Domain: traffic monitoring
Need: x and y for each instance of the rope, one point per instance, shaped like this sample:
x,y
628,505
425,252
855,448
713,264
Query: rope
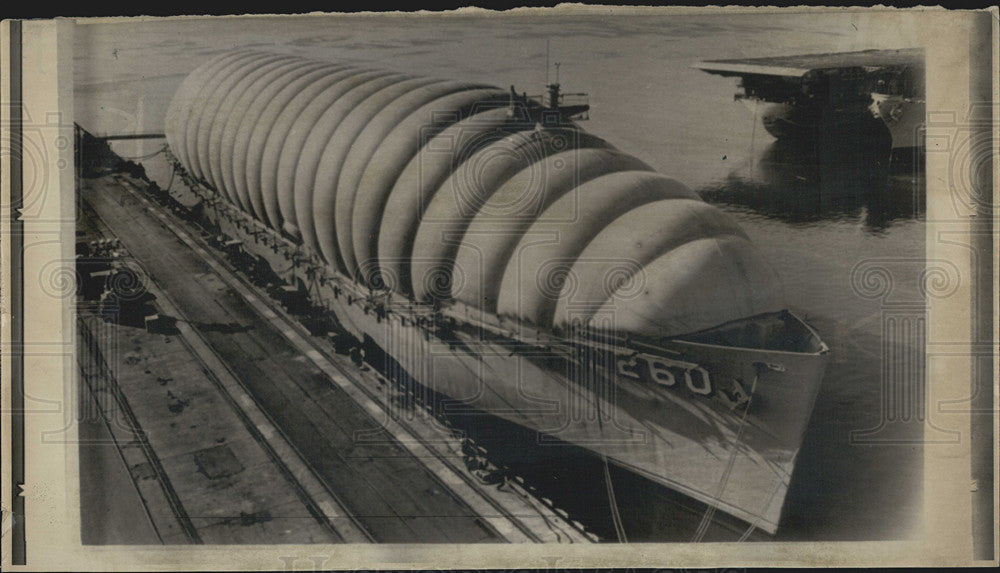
x,y
173,172
746,534
753,133
147,156
616,517
706,520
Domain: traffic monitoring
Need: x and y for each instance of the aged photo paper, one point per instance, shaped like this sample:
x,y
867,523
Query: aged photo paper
x,y
583,286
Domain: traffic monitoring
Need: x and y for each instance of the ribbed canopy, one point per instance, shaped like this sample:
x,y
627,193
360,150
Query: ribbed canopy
x,y
446,190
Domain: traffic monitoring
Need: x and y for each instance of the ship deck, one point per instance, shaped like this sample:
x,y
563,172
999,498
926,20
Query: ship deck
x,y
797,66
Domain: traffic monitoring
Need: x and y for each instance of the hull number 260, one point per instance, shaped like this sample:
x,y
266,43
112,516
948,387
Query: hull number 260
x,y
666,372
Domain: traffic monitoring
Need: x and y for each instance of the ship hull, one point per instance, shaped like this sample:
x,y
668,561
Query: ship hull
x,y
899,117
904,117
719,423
675,436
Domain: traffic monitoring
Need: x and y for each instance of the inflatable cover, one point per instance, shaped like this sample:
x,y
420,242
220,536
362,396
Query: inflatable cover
x,y
449,191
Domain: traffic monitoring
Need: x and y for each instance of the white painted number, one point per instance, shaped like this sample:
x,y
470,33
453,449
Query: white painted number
x,y
665,372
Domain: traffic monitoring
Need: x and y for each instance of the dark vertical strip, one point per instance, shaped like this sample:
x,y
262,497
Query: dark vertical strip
x,y
983,122
18,549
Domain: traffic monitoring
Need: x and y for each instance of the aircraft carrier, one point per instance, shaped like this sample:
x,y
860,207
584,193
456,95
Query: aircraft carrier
x,y
876,94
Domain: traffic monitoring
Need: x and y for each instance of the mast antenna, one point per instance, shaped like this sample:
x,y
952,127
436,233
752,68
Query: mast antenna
x,y
547,40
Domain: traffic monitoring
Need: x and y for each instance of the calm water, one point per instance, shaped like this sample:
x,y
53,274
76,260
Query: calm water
x,y
815,218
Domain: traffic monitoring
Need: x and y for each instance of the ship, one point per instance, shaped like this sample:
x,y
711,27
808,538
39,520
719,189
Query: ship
x,y
872,92
510,261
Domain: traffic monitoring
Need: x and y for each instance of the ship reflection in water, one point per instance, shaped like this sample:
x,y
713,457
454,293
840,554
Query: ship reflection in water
x,y
801,183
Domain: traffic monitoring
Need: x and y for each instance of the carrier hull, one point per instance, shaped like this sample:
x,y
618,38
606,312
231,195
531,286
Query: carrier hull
x,y
905,118
816,91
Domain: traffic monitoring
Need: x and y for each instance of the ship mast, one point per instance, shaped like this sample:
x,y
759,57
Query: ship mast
x,y
553,91
554,100
574,106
